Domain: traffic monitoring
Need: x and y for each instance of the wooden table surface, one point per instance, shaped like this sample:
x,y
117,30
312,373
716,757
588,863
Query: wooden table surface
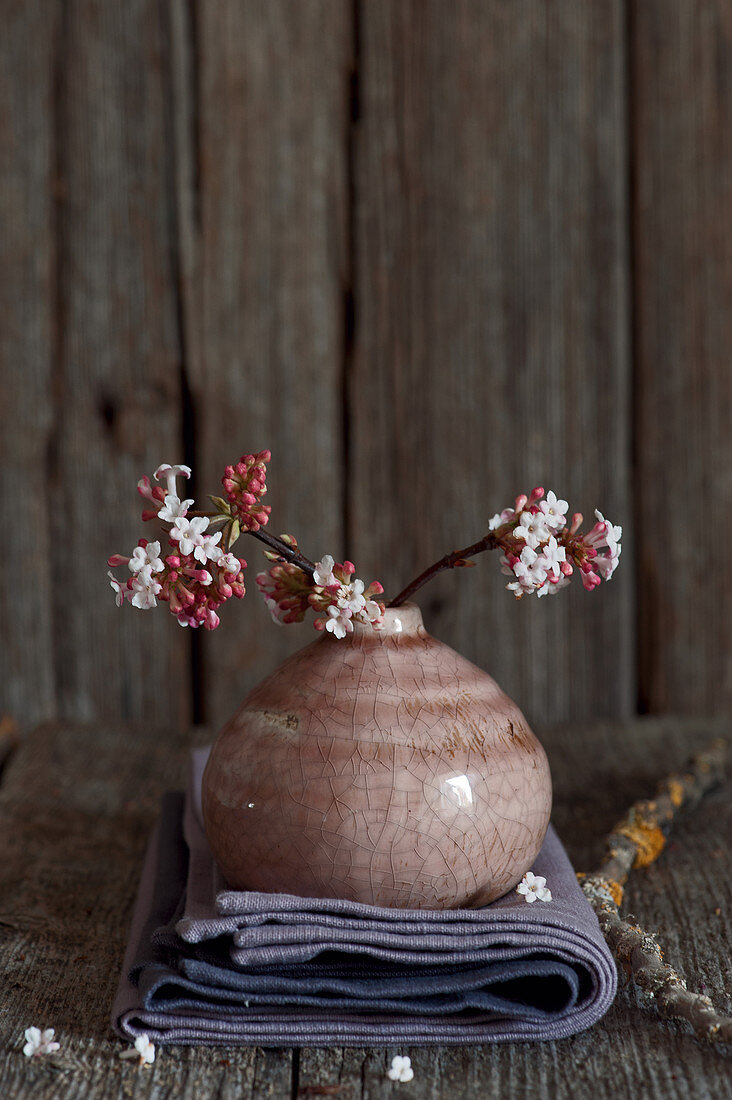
x,y
76,806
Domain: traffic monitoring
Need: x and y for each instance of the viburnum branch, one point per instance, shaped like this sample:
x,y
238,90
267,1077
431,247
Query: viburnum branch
x,y
194,571
457,558
637,841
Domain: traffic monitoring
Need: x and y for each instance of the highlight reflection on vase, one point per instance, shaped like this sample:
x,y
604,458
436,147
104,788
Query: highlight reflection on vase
x,y
383,768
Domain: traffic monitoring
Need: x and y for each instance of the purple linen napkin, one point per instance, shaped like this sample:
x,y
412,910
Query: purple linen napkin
x,y
206,964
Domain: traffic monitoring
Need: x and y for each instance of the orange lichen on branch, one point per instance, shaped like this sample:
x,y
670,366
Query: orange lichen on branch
x,y
603,890
676,792
648,838
637,841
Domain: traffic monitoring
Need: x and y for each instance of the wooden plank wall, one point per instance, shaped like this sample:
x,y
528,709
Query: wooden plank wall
x,y
430,255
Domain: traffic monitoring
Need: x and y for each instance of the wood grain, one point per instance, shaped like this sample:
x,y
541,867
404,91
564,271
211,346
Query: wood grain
x,y
268,282
491,341
73,826
117,411
27,687
682,98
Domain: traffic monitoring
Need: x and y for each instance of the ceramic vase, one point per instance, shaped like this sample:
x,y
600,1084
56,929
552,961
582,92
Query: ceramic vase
x,y
383,768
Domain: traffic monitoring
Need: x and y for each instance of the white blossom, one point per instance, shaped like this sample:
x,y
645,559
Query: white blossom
x,y
350,596
174,508
339,621
120,591
534,888
551,557
605,537
613,534
371,613
529,571
606,564
146,556
533,528
401,1068
143,1051
229,563
145,588
555,511
501,518
170,473
189,534
323,572
550,588
39,1042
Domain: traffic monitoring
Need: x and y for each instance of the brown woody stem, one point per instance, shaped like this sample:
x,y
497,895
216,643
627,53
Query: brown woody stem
x,y
283,550
636,841
450,561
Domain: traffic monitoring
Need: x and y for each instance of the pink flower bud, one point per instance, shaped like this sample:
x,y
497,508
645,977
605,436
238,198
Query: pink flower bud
x,y
117,559
577,519
536,494
520,503
566,568
148,513
173,561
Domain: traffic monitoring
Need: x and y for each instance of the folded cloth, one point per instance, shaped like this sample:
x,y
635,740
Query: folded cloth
x,y
206,964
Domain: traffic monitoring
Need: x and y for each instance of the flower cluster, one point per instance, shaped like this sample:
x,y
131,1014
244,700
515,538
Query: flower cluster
x,y
541,551
245,485
334,593
196,577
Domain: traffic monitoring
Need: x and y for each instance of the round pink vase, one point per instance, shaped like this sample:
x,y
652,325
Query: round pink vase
x,y
382,768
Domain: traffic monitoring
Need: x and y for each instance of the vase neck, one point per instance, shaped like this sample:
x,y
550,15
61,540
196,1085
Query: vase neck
x,y
398,621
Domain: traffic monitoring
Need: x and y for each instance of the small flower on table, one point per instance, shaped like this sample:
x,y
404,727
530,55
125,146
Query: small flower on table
x,y
143,1051
401,1068
39,1042
534,888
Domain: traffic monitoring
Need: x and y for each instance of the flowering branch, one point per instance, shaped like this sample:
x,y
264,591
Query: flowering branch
x,y
199,572
540,550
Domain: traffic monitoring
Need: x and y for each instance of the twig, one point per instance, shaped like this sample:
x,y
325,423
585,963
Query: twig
x,y
636,841
450,561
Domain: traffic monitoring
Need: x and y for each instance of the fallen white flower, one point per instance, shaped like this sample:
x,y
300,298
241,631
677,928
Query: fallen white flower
x,y
534,888
143,1050
401,1068
39,1042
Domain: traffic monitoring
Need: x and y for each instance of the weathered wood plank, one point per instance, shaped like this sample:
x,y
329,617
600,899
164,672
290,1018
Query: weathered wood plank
x,y
27,688
682,100
268,289
117,413
73,826
67,884
491,342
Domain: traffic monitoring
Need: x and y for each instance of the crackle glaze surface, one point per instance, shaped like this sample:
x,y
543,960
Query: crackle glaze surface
x,y
383,768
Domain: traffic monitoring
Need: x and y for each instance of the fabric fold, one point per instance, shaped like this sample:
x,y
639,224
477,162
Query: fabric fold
x,y
206,964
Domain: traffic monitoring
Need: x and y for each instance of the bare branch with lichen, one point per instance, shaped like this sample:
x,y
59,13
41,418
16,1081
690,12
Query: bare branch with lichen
x,y
637,841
